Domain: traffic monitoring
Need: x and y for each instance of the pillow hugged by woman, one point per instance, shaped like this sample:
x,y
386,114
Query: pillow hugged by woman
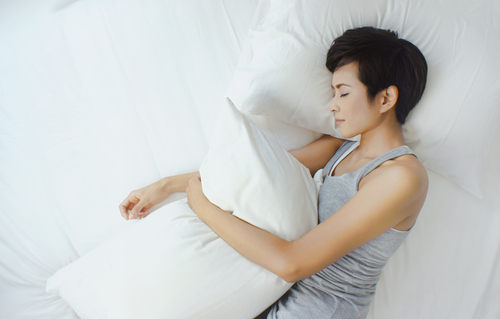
x,y
372,192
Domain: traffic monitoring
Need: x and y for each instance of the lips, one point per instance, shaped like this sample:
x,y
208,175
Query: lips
x,y
338,122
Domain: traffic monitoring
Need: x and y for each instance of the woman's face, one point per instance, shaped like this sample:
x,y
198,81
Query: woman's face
x,y
354,112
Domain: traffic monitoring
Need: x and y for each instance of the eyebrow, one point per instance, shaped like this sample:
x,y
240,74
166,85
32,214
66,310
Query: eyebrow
x,y
339,85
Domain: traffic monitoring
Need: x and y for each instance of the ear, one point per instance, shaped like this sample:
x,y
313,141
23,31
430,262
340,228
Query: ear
x,y
389,98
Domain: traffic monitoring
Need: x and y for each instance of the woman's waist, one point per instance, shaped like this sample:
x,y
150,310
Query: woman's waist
x,y
347,277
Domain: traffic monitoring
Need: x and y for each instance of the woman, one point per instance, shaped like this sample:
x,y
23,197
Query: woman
x,y
372,193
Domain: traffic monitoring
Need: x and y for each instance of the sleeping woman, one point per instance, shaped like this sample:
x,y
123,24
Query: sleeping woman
x,y
372,193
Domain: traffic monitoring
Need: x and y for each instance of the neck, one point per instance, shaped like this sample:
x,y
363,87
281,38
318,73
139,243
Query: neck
x,y
383,138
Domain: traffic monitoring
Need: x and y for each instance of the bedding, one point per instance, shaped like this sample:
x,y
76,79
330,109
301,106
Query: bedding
x,y
98,98
172,265
282,73
101,97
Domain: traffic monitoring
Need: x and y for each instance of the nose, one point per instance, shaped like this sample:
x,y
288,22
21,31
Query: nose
x,y
333,106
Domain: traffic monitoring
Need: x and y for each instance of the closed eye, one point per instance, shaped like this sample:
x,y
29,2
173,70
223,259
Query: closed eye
x,y
342,95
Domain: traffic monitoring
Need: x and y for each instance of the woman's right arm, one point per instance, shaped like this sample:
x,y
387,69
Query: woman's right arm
x,y
315,155
139,201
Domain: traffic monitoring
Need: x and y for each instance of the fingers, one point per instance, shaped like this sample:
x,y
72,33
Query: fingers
x,y
144,211
123,211
134,213
129,205
194,181
123,208
136,205
143,214
194,186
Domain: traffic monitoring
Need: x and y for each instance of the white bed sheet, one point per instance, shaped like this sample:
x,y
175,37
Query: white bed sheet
x,y
449,266
98,98
101,97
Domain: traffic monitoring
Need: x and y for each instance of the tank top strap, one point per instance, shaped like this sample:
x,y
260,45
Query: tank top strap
x,y
395,152
342,149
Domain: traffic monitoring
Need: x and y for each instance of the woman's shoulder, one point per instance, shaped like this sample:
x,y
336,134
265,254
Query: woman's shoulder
x,y
404,171
400,183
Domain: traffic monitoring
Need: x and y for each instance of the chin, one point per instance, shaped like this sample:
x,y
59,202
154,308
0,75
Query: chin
x,y
351,136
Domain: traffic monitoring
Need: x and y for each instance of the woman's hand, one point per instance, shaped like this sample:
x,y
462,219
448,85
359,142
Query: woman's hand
x,y
138,202
196,198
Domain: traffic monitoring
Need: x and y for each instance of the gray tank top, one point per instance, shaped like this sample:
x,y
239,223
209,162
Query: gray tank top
x,y
345,288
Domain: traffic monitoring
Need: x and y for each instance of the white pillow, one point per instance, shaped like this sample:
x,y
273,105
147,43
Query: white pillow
x,y
249,174
289,136
282,73
172,265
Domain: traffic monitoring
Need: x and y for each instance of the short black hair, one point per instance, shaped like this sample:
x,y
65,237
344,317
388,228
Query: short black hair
x,y
384,60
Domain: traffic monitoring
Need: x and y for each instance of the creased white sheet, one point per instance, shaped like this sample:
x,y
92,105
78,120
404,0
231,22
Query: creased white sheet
x,y
98,98
101,97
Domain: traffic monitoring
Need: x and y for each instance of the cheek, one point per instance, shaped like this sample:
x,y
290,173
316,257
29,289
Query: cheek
x,y
359,114
354,109
362,108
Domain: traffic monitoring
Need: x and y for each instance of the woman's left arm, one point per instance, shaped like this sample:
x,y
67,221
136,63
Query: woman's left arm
x,y
256,244
387,197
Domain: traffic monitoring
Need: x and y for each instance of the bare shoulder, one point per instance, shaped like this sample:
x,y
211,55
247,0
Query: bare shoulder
x,y
404,171
402,182
409,171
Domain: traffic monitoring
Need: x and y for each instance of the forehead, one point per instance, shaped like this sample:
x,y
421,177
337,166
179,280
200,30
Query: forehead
x,y
347,74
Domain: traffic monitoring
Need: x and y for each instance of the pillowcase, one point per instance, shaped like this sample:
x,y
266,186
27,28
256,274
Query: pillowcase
x,y
172,265
255,182
282,73
289,136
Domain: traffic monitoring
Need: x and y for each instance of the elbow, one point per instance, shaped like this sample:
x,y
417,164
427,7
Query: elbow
x,y
289,264
289,279
290,272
